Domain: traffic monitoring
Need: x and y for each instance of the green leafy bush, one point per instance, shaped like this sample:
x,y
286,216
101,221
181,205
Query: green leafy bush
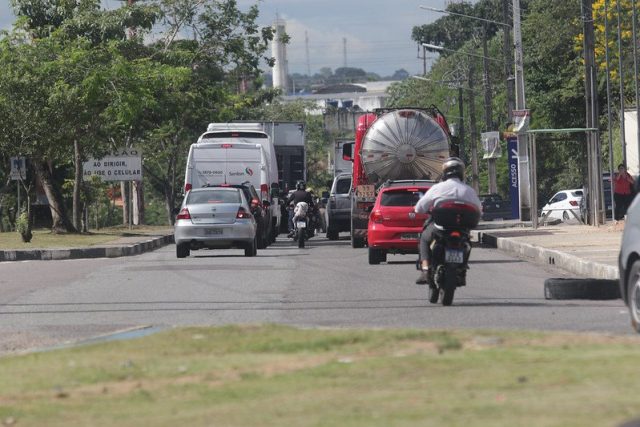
x,y
23,227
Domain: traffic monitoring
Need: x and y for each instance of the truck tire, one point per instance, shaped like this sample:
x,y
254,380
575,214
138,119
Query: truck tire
x,y
261,240
593,289
332,234
356,242
251,249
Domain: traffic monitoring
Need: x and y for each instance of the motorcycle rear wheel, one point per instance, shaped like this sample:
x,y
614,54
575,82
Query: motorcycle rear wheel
x,y
301,238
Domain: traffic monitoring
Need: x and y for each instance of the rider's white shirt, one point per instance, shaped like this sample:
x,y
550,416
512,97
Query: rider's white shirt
x,y
452,188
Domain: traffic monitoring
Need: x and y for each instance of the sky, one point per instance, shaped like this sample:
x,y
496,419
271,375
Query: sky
x,y
377,32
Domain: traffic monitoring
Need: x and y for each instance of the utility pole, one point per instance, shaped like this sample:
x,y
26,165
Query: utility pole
x,y
508,60
524,181
306,47
461,120
344,51
590,94
474,130
488,113
621,72
635,79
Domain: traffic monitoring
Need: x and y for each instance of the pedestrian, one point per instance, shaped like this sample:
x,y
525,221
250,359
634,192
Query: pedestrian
x,y
622,191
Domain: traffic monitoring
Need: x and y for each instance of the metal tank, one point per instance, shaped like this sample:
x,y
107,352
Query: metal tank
x,y
404,144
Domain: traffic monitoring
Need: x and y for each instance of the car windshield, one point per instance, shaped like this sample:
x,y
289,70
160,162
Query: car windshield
x,y
400,198
213,196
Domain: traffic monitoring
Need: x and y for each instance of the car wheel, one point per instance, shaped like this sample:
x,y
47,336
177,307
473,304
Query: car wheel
x,y
332,234
565,216
374,256
182,250
251,249
633,295
593,289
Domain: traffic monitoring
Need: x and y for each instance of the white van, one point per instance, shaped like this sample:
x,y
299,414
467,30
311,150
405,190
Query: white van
x,y
251,133
211,163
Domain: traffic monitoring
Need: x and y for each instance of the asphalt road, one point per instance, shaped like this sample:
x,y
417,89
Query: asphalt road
x,y
327,284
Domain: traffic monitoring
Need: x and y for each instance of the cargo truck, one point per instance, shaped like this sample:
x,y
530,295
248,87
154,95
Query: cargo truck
x,y
393,144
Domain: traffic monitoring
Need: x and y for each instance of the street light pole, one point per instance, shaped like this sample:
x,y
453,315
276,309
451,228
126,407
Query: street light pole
x,y
524,181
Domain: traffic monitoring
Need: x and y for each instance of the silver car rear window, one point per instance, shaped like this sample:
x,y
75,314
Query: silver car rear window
x,y
213,196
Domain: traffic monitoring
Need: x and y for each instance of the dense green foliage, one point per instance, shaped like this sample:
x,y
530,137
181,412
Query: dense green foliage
x,y
552,34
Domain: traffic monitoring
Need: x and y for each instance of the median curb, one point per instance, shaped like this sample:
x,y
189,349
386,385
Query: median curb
x,y
563,260
114,251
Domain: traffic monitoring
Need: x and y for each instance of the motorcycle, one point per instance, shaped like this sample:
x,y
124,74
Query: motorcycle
x,y
450,248
301,224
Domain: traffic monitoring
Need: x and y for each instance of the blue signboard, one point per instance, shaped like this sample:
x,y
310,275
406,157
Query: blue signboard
x,y
514,190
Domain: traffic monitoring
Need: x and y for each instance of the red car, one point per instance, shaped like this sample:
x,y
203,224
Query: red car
x,y
393,225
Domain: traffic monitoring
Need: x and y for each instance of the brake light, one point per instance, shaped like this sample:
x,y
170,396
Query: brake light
x,y
187,187
454,234
376,216
255,203
573,203
242,213
456,204
184,214
227,145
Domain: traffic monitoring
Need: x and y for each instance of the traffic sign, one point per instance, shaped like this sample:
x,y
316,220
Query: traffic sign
x,y
18,168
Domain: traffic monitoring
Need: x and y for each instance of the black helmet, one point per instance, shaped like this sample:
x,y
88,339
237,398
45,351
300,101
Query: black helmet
x,y
453,168
300,185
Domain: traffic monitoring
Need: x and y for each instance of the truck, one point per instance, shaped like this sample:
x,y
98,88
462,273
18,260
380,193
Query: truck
x,y
288,139
253,133
393,144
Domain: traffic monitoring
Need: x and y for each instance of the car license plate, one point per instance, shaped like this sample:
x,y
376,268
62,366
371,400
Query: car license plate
x,y
453,256
301,224
213,231
409,236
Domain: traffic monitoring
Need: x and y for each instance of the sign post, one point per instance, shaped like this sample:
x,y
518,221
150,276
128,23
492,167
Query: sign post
x,y
18,173
514,190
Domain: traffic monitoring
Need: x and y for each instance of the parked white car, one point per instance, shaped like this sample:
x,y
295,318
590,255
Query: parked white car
x,y
629,262
563,205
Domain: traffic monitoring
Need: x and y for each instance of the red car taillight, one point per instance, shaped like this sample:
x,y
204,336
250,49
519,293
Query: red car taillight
x,y
242,213
573,203
187,187
376,216
184,214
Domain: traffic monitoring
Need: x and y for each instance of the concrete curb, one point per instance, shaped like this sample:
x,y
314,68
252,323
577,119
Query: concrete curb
x,y
565,261
90,252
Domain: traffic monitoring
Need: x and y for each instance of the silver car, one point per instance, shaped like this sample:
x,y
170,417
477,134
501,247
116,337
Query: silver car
x,y
215,218
629,262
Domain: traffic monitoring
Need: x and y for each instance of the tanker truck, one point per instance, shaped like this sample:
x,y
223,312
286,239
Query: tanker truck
x,y
393,144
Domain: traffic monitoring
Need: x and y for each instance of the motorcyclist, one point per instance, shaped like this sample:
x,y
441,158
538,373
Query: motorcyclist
x,y
451,187
300,195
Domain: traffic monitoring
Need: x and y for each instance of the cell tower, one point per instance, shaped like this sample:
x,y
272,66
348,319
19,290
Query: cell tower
x,y
279,52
